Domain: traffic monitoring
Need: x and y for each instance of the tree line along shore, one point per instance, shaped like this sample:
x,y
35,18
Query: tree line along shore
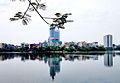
x,y
53,49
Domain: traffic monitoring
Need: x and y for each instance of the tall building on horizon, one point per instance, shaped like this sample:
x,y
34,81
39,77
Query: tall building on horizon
x,y
54,38
108,41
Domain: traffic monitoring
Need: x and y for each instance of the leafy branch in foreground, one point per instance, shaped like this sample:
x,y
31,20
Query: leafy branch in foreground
x,y
25,17
33,6
60,20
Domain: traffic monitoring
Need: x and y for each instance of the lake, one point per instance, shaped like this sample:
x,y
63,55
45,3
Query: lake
x,y
60,68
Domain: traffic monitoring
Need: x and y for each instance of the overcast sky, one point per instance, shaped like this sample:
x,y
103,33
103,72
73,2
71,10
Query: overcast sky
x,y
92,20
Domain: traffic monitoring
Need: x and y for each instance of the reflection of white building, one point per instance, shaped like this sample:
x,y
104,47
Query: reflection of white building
x,y
108,59
54,64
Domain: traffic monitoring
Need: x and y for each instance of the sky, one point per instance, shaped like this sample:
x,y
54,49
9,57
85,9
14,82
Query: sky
x,y
93,19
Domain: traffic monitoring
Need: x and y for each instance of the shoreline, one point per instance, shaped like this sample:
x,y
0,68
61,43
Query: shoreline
x,y
61,52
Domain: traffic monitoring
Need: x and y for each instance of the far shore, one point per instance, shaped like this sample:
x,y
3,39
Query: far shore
x,y
60,52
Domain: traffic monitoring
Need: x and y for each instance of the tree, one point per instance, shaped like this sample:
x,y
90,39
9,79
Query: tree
x,y
101,48
41,49
48,48
35,49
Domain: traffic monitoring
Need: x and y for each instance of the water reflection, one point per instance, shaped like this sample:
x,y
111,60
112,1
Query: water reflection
x,y
54,64
50,58
54,60
73,57
108,59
5,57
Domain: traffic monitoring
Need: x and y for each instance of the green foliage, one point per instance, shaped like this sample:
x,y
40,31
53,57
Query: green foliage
x,y
52,48
41,49
70,49
101,48
118,48
48,48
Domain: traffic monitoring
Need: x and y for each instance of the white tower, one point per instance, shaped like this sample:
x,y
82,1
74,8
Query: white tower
x,y
108,41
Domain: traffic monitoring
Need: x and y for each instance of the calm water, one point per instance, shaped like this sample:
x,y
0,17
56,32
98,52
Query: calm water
x,y
69,68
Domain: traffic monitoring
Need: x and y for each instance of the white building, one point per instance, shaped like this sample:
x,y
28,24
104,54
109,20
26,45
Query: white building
x,y
2,45
82,44
108,41
94,44
24,45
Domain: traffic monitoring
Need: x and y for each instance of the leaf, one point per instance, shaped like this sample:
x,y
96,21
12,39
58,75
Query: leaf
x,y
26,19
42,6
58,14
29,19
63,20
33,3
69,21
61,26
19,15
13,0
64,16
19,12
21,0
31,9
28,15
37,7
24,22
13,19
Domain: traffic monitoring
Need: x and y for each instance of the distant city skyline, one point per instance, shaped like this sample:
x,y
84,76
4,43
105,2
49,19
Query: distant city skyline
x,y
92,20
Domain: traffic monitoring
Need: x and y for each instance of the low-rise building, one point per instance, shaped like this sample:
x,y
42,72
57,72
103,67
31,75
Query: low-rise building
x,y
32,45
72,43
82,44
67,45
45,44
2,45
94,44
24,45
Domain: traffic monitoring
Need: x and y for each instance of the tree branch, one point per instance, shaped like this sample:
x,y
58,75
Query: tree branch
x,y
26,11
38,12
